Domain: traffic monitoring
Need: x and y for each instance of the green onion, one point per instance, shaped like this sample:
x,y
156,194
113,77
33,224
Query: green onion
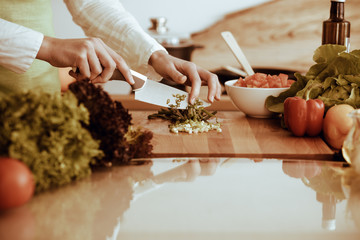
x,y
194,119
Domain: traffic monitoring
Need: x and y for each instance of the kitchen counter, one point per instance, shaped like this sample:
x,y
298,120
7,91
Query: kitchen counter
x,y
196,198
241,136
254,180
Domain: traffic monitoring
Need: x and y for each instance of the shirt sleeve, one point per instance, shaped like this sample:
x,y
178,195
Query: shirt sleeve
x,y
19,46
108,20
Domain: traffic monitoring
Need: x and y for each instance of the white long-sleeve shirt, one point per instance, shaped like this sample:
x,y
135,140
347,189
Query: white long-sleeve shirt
x,y
106,19
18,46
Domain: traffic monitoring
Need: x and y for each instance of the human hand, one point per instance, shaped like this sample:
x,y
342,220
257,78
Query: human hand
x,y
184,72
91,56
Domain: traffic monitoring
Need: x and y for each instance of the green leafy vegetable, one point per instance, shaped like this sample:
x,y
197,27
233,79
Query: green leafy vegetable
x,y
45,132
335,79
61,137
110,123
195,118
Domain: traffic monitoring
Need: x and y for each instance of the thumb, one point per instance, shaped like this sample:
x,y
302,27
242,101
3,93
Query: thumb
x,y
178,77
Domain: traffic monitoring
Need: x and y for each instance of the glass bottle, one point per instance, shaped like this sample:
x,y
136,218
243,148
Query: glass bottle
x,y
336,30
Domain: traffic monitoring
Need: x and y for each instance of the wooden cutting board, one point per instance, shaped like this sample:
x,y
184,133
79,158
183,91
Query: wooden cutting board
x,y
241,136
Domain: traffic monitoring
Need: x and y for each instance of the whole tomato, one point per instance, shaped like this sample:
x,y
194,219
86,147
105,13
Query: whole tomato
x,y
16,183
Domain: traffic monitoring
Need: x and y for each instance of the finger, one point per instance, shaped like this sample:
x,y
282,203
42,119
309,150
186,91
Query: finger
x,y
195,82
106,62
77,75
84,69
179,77
176,75
121,65
94,64
125,70
218,91
214,87
98,79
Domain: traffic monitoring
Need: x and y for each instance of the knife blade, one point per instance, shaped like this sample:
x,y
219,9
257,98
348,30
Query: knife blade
x,y
153,92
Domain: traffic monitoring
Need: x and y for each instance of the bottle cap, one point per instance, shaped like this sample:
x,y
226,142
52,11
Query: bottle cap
x,y
338,0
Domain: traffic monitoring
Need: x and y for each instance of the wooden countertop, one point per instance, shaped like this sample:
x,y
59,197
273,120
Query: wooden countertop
x,y
241,136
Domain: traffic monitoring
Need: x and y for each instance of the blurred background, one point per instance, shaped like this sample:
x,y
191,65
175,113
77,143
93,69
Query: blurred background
x,y
280,35
187,16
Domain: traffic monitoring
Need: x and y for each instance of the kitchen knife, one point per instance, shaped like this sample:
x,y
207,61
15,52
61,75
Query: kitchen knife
x,y
153,92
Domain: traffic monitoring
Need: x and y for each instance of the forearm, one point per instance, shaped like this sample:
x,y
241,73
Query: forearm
x,y
18,46
109,21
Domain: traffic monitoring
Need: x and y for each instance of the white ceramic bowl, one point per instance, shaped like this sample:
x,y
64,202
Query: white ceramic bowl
x,y
251,101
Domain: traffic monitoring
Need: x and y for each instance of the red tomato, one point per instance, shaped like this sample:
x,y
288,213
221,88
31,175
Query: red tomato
x,y
290,82
16,183
283,78
262,80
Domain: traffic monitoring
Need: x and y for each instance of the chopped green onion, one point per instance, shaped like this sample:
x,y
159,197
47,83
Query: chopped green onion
x,y
193,119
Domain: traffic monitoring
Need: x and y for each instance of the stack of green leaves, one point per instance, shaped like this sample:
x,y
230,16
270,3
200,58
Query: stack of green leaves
x,y
45,132
335,79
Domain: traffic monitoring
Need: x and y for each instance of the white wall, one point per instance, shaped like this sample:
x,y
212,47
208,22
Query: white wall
x,y
183,15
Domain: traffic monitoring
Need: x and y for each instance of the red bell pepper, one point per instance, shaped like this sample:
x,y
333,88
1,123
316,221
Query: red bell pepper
x,y
304,116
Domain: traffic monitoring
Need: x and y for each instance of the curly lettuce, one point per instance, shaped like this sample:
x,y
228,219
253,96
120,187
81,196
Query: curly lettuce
x,y
335,79
46,132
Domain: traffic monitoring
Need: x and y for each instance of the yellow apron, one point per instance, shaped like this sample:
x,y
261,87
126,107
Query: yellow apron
x,y
37,15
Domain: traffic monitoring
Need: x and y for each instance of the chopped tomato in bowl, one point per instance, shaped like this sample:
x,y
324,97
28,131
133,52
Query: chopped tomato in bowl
x,y
249,94
262,80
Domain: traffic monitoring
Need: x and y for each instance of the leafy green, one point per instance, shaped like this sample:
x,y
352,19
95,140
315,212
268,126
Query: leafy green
x,y
45,132
110,123
62,137
334,78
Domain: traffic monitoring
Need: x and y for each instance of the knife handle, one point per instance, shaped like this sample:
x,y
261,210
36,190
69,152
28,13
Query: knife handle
x,y
139,79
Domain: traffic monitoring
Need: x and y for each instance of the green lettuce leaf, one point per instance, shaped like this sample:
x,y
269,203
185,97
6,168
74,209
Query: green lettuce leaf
x,y
334,78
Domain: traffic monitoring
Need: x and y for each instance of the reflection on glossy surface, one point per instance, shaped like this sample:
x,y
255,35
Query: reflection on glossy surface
x,y
197,199
351,187
324,180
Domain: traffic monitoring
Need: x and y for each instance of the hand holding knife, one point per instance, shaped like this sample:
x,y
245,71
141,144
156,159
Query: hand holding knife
x,y
153,92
